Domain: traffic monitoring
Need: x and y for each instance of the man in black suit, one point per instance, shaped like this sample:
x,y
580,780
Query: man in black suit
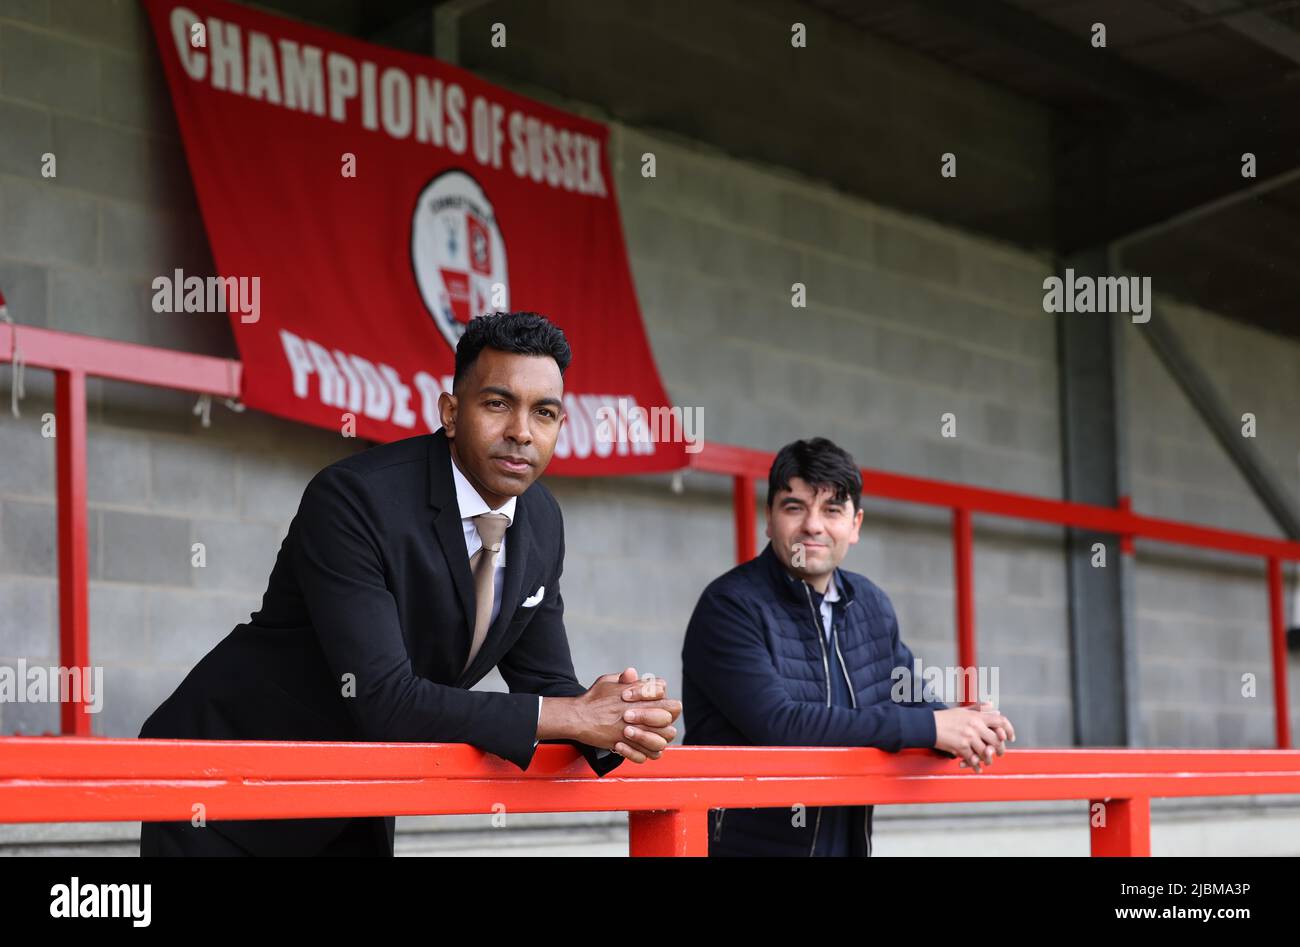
x,y
389,599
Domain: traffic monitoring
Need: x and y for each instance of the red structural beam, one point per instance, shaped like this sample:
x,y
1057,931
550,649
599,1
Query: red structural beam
x,y
122,361
61,779
742,461
1278,642
73,541
963,544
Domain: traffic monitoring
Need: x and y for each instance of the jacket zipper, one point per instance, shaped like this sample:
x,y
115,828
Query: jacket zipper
x,y
839,654
866,826
826,669
866,822
835,640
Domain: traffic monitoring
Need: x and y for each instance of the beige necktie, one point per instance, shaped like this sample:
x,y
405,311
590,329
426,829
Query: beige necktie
x,y
483,564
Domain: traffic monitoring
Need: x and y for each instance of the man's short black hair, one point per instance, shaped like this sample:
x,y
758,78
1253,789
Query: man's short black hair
x,y
820,463
523,333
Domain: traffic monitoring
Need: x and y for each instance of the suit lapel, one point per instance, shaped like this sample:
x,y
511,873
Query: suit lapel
x,y
451,535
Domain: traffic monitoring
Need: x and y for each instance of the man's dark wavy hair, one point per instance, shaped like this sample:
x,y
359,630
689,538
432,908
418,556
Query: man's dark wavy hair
x,y
523,333
819,463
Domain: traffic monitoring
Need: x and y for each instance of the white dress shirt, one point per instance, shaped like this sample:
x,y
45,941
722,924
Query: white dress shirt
x,y
471,505
832,595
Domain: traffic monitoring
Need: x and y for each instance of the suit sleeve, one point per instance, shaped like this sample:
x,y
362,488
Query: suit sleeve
x,y
338,561
540,662
726,655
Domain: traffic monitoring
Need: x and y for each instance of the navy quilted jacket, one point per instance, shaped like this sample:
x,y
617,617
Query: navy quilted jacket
x,y
756,672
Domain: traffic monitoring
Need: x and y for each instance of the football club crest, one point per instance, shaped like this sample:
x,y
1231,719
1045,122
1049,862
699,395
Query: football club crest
x,y
458,254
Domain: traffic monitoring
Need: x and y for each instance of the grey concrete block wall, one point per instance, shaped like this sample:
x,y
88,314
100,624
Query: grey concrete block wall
x,y
905,321
1203,618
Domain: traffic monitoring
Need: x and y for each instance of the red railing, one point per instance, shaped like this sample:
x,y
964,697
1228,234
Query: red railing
x,y
74,778
72,358
66,779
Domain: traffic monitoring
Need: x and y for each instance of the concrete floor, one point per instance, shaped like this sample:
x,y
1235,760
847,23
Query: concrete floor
x,y
1252,826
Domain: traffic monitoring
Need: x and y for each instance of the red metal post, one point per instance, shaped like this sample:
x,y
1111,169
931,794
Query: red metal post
x,y
1275,607
675,832
74,570
1121,827
746,524
964,576
1126,539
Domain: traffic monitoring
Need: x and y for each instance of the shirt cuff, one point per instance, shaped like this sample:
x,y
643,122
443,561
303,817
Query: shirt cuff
x,y
599,755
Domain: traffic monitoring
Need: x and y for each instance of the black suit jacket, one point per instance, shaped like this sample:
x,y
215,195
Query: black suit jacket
x,y
373,581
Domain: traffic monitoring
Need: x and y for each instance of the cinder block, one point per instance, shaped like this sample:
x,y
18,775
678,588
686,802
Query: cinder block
x,y
27,137
117,466
720,253
239,555
1052,725
43,225
118,23
204,333
29,719
766,264
28,544
131,694
806,219
595,529
118,162
48,70
1008,282
194,476
907,250
28,468
27,292
140,547
32,11
30,618
185,626
923,359
660,236
270,487
148,242
127,405
1013,381
134,93
119,627
93,302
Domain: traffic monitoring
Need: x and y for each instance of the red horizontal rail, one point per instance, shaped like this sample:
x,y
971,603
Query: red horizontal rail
x,y
63,779
122,361
743,461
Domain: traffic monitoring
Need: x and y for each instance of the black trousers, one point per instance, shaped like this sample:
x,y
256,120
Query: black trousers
x,y
181,839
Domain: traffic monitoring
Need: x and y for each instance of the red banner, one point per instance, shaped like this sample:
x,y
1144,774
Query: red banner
x,y
363,204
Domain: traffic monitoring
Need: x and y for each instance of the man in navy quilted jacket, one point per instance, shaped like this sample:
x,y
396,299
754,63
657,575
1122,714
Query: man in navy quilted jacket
x,y
790,650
